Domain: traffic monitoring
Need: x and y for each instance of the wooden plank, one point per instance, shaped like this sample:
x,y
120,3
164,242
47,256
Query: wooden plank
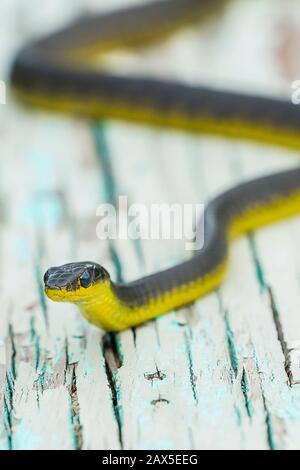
x,y
220,374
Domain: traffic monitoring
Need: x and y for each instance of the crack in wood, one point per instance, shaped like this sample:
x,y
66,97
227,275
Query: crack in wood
x,y
13,352
70,380
133,329
268,420
103,154
8,425
231,345
157,375
42,300
280,336
160,400
274,310
40,381
193,377
258,266
112,350
113,357
293,362
245,391
36,342
74,407
272,444
156,331
113,361
10,379
233,357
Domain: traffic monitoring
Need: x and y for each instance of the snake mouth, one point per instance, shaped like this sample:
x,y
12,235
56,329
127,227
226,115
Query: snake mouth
x,y
56,294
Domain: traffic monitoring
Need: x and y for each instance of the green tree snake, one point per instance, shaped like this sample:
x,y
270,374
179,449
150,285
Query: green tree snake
x,y
54,72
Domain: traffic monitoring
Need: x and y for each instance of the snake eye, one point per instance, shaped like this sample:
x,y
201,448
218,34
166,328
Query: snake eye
x,y
86,279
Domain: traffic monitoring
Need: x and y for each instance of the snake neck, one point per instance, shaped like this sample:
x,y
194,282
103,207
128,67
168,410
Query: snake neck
x,y
103,308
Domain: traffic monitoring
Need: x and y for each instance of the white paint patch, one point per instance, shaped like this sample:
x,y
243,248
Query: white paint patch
x,y
2,92
2,353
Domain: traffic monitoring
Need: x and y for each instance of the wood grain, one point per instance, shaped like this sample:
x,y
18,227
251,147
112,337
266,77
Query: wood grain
x,y
222,373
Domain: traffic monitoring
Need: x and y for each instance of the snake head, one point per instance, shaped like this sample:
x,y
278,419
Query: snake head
x,y
74,282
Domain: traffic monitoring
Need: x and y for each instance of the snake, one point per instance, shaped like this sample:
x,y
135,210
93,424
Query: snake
x,y
56,72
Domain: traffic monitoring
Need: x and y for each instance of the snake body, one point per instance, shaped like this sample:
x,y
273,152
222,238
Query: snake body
x,y
54,72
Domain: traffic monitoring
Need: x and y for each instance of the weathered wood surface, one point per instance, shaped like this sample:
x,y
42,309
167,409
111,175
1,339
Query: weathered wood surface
x,y
220,374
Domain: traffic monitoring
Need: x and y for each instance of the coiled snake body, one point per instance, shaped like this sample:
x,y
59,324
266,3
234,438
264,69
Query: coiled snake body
x,y
49,73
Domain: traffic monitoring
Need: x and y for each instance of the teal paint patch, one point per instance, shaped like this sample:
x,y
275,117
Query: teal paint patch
x,y
23,249
162,444
229,339
176,325
45,206
41,377
42,298
24,438
102,152
12,365
8,426
238,416
118,397
288,407
270,432
36,341
43,170
89,370
44,209
116,261
71,425
231,345
211,402
258,267
9,392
